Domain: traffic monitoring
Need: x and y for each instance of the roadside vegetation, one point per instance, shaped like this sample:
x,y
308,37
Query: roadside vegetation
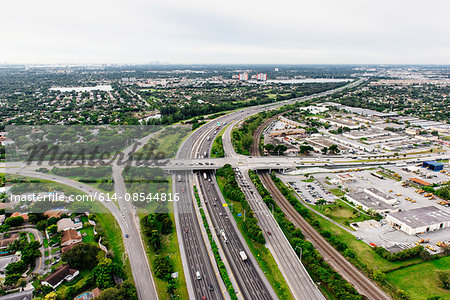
x,y
162,242
260,251
220,265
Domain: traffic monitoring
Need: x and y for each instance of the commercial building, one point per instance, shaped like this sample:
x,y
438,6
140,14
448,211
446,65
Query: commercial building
x,y
243,76
261,77
368,202
433,165
419,220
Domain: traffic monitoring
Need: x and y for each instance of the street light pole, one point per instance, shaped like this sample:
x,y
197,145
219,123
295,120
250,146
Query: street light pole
x,y
301,251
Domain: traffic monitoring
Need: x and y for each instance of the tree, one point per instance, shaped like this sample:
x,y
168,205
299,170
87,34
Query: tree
x,y
166,226
333,149
18,267
52,229
14,221
12,279
41,225
163,267
110,294
247,141
305,149
324,150
82,256
444,278
104,273
51,296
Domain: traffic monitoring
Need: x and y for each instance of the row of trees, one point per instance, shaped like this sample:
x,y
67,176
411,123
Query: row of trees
x,y
155,226
232,191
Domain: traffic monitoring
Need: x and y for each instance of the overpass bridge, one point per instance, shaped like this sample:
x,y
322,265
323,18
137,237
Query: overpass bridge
x,y
241,161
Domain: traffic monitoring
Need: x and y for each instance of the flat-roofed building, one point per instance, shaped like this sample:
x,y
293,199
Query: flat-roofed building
x,y
368,202
419,220
381,195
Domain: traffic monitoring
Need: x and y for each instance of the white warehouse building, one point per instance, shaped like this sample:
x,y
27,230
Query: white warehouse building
x,y
419,220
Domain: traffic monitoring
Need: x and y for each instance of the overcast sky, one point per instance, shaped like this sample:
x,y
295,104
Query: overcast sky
x,y
228,31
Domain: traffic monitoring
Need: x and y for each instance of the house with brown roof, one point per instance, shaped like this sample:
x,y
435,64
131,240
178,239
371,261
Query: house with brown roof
x,y
19,214
70,236
4,243
62,273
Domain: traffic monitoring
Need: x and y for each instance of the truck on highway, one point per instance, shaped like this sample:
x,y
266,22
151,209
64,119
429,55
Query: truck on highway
x,y
197,275
243,255
222,232
179,178
204,154
204,176
208,138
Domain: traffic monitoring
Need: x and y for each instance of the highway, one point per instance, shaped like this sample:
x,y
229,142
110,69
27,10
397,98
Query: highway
x,y
192,244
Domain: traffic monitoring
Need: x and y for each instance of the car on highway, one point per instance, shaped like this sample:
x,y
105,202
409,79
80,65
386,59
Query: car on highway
x,y
127,236
269,233
211,287
197,275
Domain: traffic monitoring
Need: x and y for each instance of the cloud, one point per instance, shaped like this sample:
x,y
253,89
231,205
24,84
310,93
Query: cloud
x,y
200,31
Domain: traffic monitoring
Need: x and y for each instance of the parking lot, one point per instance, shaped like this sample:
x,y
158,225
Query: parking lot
x,y
310,192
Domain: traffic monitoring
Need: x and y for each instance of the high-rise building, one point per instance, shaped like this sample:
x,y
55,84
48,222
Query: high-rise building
x,y
261,77
243,76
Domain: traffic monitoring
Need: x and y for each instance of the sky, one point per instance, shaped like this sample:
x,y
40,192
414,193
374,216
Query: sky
x,y
226,32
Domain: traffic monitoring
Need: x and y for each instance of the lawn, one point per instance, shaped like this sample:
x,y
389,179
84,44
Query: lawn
x,y
31,237
420,281
261,253
337,192
341,213
88,234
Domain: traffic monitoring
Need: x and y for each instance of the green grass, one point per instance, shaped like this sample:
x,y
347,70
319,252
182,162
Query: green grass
x,y
341,213
31,237
45,243
337,192
364,252
46,253
420,281
89,237
261,253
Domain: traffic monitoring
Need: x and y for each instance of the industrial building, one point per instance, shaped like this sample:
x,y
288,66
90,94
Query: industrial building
x,y
368,202
433,165
419,220
381,196
417,181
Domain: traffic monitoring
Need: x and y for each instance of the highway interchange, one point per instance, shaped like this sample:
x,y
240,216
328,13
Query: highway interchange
x,y
249,281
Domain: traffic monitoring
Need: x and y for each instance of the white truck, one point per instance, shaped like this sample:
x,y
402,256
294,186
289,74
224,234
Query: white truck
x,y
243,255
204,176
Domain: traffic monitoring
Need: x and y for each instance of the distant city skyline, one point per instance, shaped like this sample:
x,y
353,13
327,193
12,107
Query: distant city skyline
x,y
231,32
